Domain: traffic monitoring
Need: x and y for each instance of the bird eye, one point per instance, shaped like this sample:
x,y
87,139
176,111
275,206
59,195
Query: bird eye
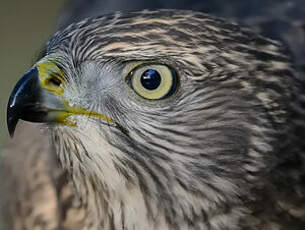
x,y
153,82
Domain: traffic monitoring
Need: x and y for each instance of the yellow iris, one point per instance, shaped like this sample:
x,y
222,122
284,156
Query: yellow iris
x,y
163,78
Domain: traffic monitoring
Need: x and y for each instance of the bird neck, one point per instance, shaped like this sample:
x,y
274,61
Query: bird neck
x,y
118,199
130,208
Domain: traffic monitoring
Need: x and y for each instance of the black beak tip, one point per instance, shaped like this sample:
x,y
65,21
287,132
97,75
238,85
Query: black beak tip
x,y
11,125
12,117
23,93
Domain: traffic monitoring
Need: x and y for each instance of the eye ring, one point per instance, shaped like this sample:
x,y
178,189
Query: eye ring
x,y
153,81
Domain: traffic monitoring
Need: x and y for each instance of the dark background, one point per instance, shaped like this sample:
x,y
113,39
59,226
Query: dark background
x,y
24,27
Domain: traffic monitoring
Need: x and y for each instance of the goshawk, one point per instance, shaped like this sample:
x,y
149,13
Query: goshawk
x,y
171,119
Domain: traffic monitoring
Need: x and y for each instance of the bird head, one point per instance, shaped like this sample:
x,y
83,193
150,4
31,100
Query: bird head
x,y
162,106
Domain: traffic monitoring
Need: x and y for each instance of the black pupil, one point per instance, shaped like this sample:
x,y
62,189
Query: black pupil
x,y
150,79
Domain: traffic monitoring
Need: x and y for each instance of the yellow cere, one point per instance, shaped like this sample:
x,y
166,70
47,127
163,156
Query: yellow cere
x,y
48,73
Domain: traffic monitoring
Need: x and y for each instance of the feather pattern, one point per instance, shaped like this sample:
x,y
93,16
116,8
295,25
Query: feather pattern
x,y
225,151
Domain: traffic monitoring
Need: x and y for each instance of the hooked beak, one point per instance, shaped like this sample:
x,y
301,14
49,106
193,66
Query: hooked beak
x,y
27,101
37,97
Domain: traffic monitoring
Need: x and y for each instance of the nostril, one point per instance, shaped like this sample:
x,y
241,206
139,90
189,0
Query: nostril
x,y
55,81
54,84
51,77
